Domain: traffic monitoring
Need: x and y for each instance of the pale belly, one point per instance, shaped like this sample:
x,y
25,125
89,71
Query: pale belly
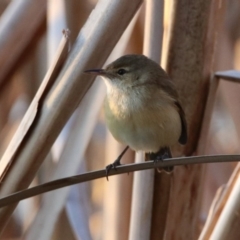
x,y
146,130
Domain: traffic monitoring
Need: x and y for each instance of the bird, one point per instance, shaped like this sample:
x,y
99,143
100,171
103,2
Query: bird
x,y
142,108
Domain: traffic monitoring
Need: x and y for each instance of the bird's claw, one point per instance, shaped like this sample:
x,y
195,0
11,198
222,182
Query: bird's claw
x,y
167,170
112,166
160,157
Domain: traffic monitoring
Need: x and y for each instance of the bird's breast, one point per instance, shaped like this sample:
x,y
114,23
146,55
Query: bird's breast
x,y
142,124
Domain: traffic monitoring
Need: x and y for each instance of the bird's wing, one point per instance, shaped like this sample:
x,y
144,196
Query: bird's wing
x,y
169,87
183,137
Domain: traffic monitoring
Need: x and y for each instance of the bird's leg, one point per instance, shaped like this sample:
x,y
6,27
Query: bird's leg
x,y
161,155
116,162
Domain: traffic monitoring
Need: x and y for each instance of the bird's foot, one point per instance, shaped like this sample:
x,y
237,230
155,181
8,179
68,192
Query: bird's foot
x,y
161,155
112,166
116,162
168,169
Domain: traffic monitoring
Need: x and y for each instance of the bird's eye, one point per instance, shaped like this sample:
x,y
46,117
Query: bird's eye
x,y
121,71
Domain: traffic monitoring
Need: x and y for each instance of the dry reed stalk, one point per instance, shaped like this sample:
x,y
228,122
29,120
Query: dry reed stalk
x,y
116,205
190,55
90,50
17,16
142,199
60,183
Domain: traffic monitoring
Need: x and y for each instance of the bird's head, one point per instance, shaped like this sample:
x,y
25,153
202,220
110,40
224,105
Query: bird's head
x,y
127,72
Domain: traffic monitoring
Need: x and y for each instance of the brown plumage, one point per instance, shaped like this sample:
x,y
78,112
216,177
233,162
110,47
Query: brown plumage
x,y
142,108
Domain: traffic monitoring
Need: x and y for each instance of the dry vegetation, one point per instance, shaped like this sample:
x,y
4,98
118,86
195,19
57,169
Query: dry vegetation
x,y
52,126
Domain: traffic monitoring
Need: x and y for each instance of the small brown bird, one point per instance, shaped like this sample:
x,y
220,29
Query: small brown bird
x,y
142,108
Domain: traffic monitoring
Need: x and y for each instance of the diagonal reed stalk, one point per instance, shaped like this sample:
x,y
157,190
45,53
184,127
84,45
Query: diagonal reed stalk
x,y
90,50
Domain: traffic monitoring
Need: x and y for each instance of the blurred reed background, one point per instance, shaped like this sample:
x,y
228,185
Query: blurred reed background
x,y
192,41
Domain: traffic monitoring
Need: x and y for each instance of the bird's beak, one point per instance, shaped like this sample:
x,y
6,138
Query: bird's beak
x,y
98,72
